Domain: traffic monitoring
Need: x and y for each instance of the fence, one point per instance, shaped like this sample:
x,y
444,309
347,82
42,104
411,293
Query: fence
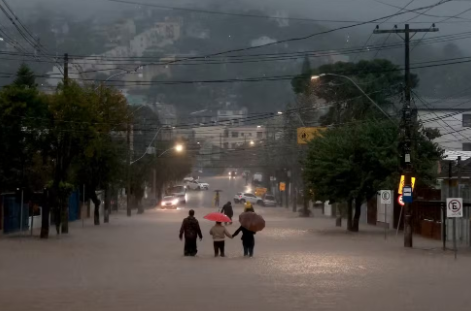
x,y
12,214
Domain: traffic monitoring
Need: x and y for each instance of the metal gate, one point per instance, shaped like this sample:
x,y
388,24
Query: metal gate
x,y
12,214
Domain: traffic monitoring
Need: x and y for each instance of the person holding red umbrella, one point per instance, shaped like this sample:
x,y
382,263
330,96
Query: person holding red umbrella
x,y
219,232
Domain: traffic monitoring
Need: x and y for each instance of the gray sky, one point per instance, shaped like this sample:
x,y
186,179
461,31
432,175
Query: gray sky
x,y
316,9
339,9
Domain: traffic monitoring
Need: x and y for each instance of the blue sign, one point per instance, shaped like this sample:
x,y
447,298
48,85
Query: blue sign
x,y
407,194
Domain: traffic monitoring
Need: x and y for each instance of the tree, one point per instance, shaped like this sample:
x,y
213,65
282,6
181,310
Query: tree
x,y
25,77
379,78
103,157
351,163
78,115
23,110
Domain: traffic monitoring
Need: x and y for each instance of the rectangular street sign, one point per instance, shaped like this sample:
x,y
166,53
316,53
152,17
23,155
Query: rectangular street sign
x,y
407,194
282,186
386,197
306,134
401,184
454,207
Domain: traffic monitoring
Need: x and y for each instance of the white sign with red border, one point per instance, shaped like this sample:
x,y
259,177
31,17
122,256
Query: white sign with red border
x,y
454,207
400,201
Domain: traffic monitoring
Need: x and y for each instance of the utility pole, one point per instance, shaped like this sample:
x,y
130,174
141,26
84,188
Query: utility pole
x,y
66,69
128,177
407,121
455,247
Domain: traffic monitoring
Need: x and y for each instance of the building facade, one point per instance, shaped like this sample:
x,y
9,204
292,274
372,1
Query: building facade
x,y
452,117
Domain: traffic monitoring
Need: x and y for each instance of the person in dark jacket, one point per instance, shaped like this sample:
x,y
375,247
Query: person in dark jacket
x,y
227,210
191,230
248,240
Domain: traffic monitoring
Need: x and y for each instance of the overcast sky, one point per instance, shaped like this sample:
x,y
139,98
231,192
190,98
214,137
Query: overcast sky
x,y
361,10
339,9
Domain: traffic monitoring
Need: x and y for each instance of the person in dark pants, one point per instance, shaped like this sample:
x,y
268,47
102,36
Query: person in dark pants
x,y
219,232
228,211
248,240
191,230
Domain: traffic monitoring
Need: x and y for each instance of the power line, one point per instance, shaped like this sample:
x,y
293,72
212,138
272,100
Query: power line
x,y
202,11
302,38
112,61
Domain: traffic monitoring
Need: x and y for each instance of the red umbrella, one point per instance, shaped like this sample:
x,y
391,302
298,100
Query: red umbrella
x,y
219,217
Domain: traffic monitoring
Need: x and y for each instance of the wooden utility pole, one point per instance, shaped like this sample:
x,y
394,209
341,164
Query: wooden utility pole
x,y
128,177
407,122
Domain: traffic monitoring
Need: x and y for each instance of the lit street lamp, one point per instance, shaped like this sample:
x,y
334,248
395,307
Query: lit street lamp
x,y
179,148
252,143
151,150
315,78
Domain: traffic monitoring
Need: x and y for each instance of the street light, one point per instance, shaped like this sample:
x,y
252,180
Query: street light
x,y
179,148
280,112
317,77
252,143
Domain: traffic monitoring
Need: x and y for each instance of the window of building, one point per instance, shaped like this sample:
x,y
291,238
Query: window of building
x,y
466,120
259,134
226,145
466,146
235,134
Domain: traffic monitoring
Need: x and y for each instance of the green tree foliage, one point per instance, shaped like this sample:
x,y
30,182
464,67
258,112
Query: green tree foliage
x,y
22,112
82,123
351,163
25,77
380,79
104,152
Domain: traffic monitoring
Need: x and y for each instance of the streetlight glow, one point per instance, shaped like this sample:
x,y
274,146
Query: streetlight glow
x,y
259,126
179,148
280,112
313,78
252,143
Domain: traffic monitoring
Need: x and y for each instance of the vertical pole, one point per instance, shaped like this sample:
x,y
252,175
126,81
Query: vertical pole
x,y
66,69
154,183
128,177
455,247
399,220
407,118
385,222
83,207
444,235
45,213
21,212
32,219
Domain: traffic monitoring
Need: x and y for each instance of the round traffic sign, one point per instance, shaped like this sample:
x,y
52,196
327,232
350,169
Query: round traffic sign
x,y
400,201
454,206
386,195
